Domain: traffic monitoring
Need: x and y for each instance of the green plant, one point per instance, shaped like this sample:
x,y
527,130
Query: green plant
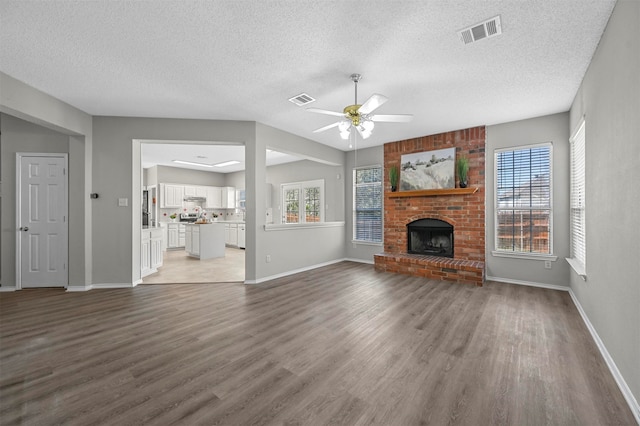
x,y
462,166
393,176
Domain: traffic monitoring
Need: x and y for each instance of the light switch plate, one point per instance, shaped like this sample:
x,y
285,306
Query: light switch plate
x,y
123,202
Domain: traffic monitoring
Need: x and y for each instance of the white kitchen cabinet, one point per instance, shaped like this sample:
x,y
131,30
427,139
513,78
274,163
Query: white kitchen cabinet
x,y
171,195
181,234
231,234
214,197
195,191
241,235
150,251
228,197
156,248
206,241
145,254
176,235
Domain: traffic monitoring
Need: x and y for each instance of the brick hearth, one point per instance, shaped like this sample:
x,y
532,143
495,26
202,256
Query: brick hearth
x,y
465,211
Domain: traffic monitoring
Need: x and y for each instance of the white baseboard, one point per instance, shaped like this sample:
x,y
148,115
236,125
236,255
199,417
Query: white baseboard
x,y
528,283
613,368
6,289
622,384
113,285
294,271
76,288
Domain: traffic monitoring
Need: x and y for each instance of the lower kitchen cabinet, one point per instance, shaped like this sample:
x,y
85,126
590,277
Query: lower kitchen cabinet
x,y
150,251
176,235
241,235
205,241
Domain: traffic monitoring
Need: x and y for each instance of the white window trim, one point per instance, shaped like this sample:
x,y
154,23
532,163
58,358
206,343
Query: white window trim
x,y
515,254
301,186
353,209
578,266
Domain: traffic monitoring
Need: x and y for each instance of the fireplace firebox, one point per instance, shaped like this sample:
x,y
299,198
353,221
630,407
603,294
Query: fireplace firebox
x,y
431,237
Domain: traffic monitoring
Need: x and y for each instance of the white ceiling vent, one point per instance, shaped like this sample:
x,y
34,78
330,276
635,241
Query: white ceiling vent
x,y
301,99
489,28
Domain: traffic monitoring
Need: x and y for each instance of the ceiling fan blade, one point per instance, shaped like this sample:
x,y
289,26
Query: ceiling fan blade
x,y
392,118
322,129
372,103
327,112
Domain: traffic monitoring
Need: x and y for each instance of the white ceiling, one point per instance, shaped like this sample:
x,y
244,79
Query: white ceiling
x,y
242,60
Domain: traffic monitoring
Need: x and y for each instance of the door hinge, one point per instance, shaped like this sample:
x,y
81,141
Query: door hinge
x,y
64,171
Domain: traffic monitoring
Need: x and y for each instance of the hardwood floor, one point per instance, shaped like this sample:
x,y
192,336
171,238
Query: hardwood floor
x,y
178,267
337,345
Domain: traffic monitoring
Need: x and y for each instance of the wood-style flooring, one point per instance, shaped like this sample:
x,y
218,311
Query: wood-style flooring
x,y
178,267
339,345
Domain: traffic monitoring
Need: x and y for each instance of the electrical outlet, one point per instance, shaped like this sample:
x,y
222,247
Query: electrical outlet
x,y
547,264
268,259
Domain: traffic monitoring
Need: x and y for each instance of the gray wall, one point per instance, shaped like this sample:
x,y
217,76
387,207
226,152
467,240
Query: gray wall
x,y
117,154
551,128
306,170
609,97
19,136
363,157
291,249
24,102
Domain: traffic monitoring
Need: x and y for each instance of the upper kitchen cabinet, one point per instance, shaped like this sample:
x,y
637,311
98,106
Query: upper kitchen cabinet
x,y
196,191
171,195
228,197
214,197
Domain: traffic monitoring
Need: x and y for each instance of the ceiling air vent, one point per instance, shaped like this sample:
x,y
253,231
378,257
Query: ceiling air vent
x,y
301,99
489,28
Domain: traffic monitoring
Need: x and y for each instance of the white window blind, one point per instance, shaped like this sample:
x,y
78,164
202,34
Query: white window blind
x,y
523,200
367,204
578,235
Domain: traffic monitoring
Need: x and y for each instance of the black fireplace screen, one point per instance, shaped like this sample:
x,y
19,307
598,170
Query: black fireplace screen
x,y
432,237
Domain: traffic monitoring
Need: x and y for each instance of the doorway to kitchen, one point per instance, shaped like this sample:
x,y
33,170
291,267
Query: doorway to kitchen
x,y
190,184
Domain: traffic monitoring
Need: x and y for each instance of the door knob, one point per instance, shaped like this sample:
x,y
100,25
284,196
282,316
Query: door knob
x,y
24,228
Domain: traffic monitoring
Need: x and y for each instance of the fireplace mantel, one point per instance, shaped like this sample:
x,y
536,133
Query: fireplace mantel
x,y
433,192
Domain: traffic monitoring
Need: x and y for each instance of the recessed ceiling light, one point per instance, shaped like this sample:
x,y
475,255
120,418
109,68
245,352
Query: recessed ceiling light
x,y
191,163
226,163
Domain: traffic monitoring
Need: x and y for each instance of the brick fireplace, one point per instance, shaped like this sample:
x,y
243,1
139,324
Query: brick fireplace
x,y
463,209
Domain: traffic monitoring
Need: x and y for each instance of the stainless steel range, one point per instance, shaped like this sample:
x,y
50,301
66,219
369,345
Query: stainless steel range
x,y
188,217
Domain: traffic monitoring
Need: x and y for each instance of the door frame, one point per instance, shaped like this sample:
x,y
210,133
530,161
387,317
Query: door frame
x,y
19,157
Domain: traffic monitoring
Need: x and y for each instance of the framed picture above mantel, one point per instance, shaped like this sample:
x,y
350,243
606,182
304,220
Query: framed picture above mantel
x,y
428,170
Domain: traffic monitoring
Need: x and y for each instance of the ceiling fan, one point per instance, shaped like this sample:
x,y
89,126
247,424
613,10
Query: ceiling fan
x,y
360,116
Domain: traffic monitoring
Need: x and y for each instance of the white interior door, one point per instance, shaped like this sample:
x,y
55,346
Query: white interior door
x,y
42,238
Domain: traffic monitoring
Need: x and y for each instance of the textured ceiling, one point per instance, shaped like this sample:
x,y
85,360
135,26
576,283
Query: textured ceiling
x,y
242,60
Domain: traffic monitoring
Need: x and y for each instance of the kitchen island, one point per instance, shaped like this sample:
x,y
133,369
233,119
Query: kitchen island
x,y
205,241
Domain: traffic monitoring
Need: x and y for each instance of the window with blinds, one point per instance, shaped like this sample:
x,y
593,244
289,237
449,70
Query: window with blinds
x,y
367,204
523,200
577,197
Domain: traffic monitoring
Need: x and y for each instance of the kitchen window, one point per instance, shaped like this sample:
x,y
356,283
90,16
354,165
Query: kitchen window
x,y
367,204
523,224
302,202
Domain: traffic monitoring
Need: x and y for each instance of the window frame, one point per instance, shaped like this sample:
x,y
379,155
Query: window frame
x,y
301,186
524,254
577,182
354,184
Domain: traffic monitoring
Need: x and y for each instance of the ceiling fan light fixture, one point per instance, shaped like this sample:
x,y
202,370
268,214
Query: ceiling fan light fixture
x,y
345,134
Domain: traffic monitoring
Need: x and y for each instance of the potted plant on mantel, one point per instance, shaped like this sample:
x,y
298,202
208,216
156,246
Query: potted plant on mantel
x,y
393,178
463,170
